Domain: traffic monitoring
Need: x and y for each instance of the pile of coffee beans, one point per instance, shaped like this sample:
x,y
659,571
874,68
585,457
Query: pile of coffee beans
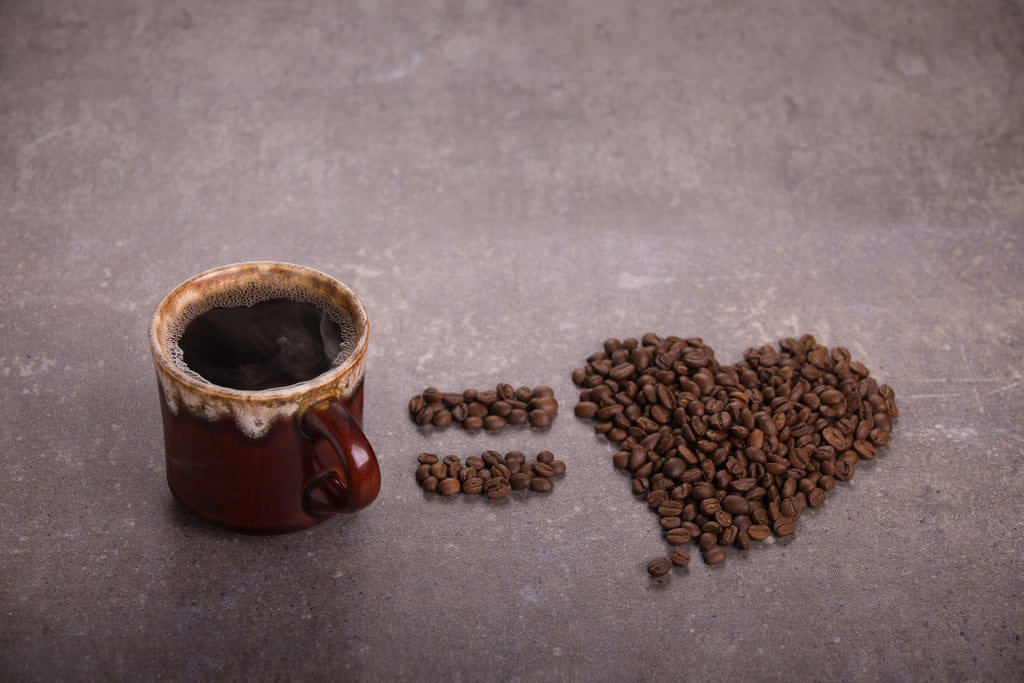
x,y
491,474
728,455
491,409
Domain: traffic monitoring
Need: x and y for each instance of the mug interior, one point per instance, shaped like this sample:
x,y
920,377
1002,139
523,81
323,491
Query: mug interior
x,y
244,284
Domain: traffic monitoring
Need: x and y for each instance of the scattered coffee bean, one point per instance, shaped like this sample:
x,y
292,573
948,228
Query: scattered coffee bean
x,y
680,558
714,555
491,410
490,473
731,454
659,566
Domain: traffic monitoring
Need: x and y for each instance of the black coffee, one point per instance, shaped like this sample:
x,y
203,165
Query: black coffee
x,y
272,343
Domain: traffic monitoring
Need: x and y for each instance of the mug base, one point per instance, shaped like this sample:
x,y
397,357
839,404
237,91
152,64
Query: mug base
x,y
243,529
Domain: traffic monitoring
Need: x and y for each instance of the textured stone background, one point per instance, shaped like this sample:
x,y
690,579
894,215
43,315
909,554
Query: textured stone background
x,y
506,184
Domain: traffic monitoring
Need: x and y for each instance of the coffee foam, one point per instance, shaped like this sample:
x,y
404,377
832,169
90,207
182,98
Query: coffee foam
x,y
248,294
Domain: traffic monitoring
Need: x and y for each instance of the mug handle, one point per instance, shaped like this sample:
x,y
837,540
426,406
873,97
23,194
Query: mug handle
x,y
358,484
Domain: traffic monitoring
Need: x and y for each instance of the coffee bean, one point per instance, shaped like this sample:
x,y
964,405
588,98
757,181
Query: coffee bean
x,y
473,485
715,555
425,415
541,484
815,497
539,418
659,566
670,508
546,403
449,486
678,535
500,408
497,488
543,469
727,536
493,422
679,557
520,481
783,526
735,504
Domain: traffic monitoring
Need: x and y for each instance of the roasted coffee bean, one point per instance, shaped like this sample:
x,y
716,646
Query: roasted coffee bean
x,y
670,508
815,497
543,469
715,555
546,403
728,535
541,484
735,504
678,535
539,418
759,532
500,408
783,526
497,487
659,566
709,506
679,557
449,486
493,422
707,540
473,485
520,481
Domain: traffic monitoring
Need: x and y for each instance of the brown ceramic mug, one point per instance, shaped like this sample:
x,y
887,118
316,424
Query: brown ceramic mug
x,y
251,455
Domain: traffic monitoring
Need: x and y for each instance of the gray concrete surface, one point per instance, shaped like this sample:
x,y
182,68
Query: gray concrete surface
x,y
506,184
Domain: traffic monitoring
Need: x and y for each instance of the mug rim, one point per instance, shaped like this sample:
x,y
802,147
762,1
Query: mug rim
x,y
178,298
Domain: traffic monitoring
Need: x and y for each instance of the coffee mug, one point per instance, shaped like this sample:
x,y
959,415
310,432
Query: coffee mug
x,y
260,369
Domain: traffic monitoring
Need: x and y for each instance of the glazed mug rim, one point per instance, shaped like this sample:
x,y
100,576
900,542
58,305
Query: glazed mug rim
x,y
226,277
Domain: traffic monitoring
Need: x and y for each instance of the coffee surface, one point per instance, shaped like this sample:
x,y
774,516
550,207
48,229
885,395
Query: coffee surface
x,y
269,344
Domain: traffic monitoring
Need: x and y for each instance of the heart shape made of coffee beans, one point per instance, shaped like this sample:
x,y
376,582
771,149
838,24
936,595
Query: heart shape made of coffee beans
x,y
730,454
